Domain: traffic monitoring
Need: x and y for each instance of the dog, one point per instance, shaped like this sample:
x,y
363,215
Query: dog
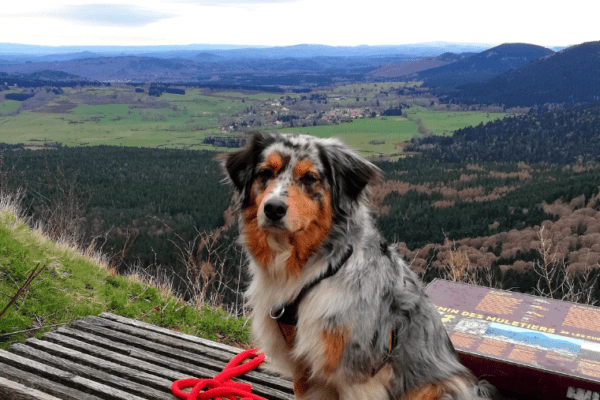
x,y
333,304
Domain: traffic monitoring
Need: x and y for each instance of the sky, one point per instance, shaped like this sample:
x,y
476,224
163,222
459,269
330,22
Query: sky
x,y
291,22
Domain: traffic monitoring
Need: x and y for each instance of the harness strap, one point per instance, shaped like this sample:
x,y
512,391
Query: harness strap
x,y
288,314
289,333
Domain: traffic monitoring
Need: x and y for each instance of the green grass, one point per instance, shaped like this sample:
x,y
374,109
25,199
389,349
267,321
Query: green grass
x,y
358,88
360,132
257,96
73,286
393,130
7,106
445,123
185,123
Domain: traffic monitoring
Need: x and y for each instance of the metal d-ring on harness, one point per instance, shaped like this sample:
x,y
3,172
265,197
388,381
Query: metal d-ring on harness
x,y
279,314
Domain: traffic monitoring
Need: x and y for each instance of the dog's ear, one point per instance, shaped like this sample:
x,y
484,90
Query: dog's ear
x,y
239,164
347,172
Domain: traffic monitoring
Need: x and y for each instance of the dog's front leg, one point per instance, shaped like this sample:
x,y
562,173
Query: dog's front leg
x,y
311,389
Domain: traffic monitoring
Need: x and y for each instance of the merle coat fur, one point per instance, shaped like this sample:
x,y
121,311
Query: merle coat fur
x,y
368,331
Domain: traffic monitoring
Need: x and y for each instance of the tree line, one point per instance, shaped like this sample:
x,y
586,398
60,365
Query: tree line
x,y
557,135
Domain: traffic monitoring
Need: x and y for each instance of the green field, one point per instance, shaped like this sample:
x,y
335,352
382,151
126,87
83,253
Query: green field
x,y
360,132
183,121
119,116
257,96
393,130
371,87
8,106
445,123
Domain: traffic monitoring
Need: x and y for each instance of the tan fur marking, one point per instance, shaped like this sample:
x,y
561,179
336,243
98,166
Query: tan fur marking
x,y
303,167
333,347
300,380
274,161
254,237
425,392
311,224
302,210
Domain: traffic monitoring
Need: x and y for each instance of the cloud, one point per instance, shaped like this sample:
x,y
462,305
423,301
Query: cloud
x,y
110,15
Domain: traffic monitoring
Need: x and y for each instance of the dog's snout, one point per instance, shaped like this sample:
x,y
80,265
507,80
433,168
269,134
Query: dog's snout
x,y
275,209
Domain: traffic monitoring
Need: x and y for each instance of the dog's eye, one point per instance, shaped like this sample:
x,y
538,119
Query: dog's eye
x,y
309,178
265,173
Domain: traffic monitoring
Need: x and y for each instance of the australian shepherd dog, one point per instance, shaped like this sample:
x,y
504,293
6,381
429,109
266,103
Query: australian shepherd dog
x,y
333,304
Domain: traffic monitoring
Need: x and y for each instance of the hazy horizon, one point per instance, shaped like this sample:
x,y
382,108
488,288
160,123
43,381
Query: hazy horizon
x,y
291,22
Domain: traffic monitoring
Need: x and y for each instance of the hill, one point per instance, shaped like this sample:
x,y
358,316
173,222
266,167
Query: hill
x,y
483,65
138,69
46,284
413,66
569,76
303,65
22,52
557,136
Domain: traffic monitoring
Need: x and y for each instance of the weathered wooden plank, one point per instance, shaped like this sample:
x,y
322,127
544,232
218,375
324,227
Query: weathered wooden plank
x,y
171,341
191,338
173,348
147,345
155,337
164,367
110,374
11,390
42,384
65,378
155,364
229,351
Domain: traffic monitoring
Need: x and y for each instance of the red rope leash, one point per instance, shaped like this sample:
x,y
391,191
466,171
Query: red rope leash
x,y
220,386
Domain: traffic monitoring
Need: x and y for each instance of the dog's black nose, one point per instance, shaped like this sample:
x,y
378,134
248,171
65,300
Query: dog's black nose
x,y
275,209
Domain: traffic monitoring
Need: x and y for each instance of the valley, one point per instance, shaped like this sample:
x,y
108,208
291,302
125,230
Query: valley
x,y
490,156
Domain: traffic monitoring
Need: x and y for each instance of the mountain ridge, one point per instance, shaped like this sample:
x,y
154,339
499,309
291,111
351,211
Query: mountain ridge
x,y
569,76
486,64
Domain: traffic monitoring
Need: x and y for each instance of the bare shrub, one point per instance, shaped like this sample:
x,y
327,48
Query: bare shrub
x,y
555,281
457,264
206,280
61,214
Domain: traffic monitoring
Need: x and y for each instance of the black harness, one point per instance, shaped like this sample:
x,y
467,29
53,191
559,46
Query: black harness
x,y
288,313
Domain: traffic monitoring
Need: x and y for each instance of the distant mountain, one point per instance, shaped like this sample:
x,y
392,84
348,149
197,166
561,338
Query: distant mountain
x,y
25,49
484,65
68,56
569,76
206,66
206,57
298,66
21,52
413,66
313,50
137,69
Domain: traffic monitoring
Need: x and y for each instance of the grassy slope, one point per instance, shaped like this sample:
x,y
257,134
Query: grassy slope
x,y
74,286
8,105
444,123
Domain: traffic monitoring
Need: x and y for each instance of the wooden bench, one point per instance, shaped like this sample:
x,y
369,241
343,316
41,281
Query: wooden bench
x,y
112,357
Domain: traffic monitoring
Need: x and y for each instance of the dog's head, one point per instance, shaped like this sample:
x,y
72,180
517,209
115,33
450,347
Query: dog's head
x,y
293,188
